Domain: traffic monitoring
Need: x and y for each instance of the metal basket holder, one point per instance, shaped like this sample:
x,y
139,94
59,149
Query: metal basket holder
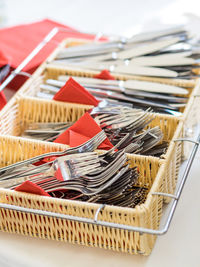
x,y
175,198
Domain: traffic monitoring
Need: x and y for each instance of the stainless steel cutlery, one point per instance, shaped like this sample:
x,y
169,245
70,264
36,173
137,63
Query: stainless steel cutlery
x,y
136,93
90,177
147,54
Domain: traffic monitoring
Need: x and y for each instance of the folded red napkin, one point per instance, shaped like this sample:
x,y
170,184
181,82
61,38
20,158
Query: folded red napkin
x,y
73,92
104,75
30,187
81,131
18,42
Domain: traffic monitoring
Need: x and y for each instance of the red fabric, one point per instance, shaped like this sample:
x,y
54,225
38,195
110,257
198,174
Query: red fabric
x,y
30,187
2,100
104,75
4,60
18,42
81,131
73,92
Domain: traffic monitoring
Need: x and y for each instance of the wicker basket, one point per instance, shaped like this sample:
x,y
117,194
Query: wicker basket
x,y
146,215
159,175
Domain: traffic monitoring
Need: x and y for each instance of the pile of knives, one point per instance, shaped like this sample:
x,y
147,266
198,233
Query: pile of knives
x,y
171,53
132,93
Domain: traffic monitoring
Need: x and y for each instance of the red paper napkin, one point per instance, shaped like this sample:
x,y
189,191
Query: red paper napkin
x,y
104,75
73,92
18,42
30,187
81,131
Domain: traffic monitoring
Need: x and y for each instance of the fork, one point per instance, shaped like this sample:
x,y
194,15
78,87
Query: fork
x,y
46,131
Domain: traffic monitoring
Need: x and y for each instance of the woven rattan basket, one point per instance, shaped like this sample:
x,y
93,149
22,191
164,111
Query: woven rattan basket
x,y
146,215
159,175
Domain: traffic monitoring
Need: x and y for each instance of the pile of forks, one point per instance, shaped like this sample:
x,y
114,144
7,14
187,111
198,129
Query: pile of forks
x,y
124,126
105,178
127,128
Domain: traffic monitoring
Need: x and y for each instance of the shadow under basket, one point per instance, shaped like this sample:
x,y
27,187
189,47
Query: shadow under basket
x,y
146,215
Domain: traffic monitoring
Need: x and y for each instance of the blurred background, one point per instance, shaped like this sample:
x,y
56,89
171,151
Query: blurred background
x,y
108,16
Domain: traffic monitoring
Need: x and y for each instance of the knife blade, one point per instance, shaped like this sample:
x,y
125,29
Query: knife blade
x,y
144,71
162,61
131,84
146,49
132,70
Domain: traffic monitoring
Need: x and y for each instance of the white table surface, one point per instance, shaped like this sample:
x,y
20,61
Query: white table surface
x,y
180,246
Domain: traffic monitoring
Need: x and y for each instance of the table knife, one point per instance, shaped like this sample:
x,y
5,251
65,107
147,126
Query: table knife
x,y
131,84
129,52
51,84
131,70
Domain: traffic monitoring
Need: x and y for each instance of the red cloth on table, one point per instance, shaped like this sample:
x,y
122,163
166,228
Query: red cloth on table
x,y
18,42
4,60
